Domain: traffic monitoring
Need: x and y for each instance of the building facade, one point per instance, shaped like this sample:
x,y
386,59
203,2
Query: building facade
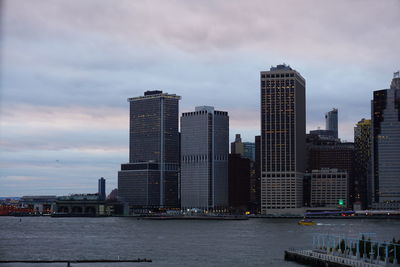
x,y
283,125
323,154
102,188
385,114
150,179
331,122
244,149
362,163
204,159
239,182
249,150
237,146
329,188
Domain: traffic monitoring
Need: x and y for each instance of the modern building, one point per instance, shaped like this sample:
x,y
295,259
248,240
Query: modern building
x,y
283,129
249,151
255,178
239,182
323,154
362,163
204,159
329,188
244,149
150,179
385,114
331,121
102,188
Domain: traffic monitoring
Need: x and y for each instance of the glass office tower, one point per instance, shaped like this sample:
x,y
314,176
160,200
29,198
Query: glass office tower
x,y
150,179
385,114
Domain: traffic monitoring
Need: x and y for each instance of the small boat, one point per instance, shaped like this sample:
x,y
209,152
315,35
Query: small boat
x,y
306,222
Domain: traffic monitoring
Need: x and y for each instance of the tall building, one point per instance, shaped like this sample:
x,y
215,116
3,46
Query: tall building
x,y
204,159
255,178
239,182
237,146
385,114
283,129
362,162
244,149
150,179
332,154
249,150
102,188
331,121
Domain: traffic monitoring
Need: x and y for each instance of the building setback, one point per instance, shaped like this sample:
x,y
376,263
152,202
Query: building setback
x,y
331,122
204,159
150,179
385,114
283,125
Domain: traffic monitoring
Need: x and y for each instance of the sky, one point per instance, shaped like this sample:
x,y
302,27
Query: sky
x,y
68,67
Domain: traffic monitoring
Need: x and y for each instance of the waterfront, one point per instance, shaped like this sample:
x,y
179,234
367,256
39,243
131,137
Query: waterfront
x,y
254,242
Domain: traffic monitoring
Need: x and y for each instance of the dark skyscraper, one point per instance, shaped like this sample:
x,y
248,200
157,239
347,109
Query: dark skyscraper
x,y
283,129
239,182
150,179
362,162
102,188
331,122
385,116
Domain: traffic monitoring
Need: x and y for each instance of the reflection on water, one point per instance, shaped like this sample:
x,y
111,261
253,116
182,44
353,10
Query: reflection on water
x,y
255,242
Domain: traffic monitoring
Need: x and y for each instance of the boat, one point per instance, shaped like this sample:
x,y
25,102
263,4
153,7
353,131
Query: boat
x,y
306,222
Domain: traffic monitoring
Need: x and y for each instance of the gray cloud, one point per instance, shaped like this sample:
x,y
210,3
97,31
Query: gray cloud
x,y
67,69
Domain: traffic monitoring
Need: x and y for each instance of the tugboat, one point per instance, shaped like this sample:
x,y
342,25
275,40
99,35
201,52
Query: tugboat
x,y
306,221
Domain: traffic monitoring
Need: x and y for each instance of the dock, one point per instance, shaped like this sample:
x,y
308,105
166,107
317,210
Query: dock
x,y
314,258
69,262
340,251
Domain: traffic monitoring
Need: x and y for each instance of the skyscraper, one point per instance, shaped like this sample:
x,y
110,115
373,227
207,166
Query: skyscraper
x,y
102,188
249,150
283,129
204,158
385,114
331,122
362,162
244,149
150,179
239,182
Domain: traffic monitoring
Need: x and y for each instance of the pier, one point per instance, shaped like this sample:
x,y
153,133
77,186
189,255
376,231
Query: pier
x,y
69,262
340,251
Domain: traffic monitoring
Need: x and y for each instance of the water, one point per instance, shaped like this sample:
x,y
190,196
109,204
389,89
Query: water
x,y
255,242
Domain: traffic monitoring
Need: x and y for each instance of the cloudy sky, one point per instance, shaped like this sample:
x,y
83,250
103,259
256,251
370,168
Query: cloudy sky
x,y
67,68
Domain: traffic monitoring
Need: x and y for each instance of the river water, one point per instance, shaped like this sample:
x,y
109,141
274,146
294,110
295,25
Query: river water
x,y
254,242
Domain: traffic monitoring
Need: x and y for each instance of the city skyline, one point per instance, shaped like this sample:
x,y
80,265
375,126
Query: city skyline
x,y
72,75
